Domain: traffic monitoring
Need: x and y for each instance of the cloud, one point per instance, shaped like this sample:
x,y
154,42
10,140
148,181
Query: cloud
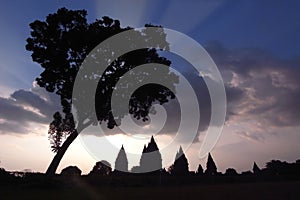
x,y
172,108
265,87
24,108
251,136
260,88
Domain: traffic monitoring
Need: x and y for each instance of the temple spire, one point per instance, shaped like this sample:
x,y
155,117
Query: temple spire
x,y
121,163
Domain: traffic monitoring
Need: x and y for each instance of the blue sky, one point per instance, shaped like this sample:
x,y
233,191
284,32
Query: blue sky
x,y
269,25
254,43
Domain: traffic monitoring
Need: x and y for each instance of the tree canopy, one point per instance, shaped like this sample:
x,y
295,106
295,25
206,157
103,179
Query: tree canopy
x,y
101,168
62,42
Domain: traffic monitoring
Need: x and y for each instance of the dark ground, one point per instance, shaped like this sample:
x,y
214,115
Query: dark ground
x,y
261,190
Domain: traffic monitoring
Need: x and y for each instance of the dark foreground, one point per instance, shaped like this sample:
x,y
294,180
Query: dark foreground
x,y
262,190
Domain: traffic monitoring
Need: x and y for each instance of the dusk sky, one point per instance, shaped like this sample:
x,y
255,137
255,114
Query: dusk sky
x,y
255,45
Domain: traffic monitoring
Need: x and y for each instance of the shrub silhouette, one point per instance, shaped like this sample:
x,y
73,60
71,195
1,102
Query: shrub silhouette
x,y
231,172
101,168
71,171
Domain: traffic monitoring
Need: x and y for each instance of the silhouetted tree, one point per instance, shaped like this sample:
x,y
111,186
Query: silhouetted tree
x,y
211,168
297,167
276,167
255,168
151,158
101,168
58,131
5,176
181,165
231,172
199,170
71,171
121,164
61,43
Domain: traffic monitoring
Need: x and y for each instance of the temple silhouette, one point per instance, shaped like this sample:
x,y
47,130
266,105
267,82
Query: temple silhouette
x,y
151,172
121,164
151,162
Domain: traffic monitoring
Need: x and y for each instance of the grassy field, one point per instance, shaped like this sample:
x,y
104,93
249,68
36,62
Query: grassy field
x,y
272,190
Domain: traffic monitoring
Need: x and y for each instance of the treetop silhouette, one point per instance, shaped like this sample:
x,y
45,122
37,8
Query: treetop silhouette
x,y
231,172
101,168
71,171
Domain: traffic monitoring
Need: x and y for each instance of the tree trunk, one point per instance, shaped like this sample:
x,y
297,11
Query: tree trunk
x,y
60,153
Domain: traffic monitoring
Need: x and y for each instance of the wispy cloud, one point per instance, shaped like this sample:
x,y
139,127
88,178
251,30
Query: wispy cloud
x,y
257,137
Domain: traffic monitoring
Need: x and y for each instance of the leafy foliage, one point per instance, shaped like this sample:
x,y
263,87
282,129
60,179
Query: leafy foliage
x,y
101,168
71,171
231,172
61,43
59,129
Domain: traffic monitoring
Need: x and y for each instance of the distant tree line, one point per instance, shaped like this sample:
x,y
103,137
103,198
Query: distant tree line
x,y
178,173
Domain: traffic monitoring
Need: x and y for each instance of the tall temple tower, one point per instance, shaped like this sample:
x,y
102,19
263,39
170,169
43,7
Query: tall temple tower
x,y
121,163
151,158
